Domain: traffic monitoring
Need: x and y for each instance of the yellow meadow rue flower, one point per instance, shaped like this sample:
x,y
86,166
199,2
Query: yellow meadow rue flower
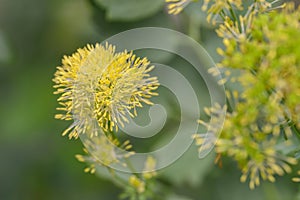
x,y
102,151
243,139
176,6
137,183
238,30
224,8
255,153
266,110
215,8
217,5
265,165
269,60
101,88
142,185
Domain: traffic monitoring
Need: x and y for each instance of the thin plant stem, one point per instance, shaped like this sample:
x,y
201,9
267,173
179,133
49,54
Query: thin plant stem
x,y
232,12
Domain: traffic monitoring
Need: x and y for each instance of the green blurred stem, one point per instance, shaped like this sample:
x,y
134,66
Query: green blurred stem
x,y
231,10
131,168
117,179
223,14
127,161
295,129
231,102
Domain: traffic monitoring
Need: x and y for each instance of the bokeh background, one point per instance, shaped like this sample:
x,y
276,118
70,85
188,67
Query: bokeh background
x,y
36,162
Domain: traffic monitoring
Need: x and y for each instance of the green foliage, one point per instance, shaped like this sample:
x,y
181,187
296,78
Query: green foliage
x,y
130,10
195,175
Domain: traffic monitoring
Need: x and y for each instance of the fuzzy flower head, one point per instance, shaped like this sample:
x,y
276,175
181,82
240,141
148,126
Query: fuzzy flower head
x,y
137,184
221,9
101,88
265,165
215,8
104,151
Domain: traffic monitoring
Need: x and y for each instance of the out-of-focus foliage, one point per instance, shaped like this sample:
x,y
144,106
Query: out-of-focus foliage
x,y
261,129
130,10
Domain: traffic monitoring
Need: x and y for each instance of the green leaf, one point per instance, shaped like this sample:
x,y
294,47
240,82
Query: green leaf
x,y
130,10
193,173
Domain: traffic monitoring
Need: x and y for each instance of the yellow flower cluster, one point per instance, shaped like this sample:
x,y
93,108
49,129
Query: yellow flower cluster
x,y
137,183
140,183
101,88
265,110
215,8
222,8
270,64
265,165
102,151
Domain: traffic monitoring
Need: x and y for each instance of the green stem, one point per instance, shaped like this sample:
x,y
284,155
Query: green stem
x,y
222,14
231,102
295,129
117,179
131,168
231,10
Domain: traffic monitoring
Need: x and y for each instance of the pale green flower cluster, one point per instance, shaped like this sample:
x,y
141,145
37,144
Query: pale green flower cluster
x,y
264,114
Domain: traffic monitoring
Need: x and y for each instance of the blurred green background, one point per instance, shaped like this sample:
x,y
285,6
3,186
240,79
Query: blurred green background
x,y
36,161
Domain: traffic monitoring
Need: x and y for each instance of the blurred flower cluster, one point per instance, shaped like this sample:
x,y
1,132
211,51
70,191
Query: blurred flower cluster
x,y
260,67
